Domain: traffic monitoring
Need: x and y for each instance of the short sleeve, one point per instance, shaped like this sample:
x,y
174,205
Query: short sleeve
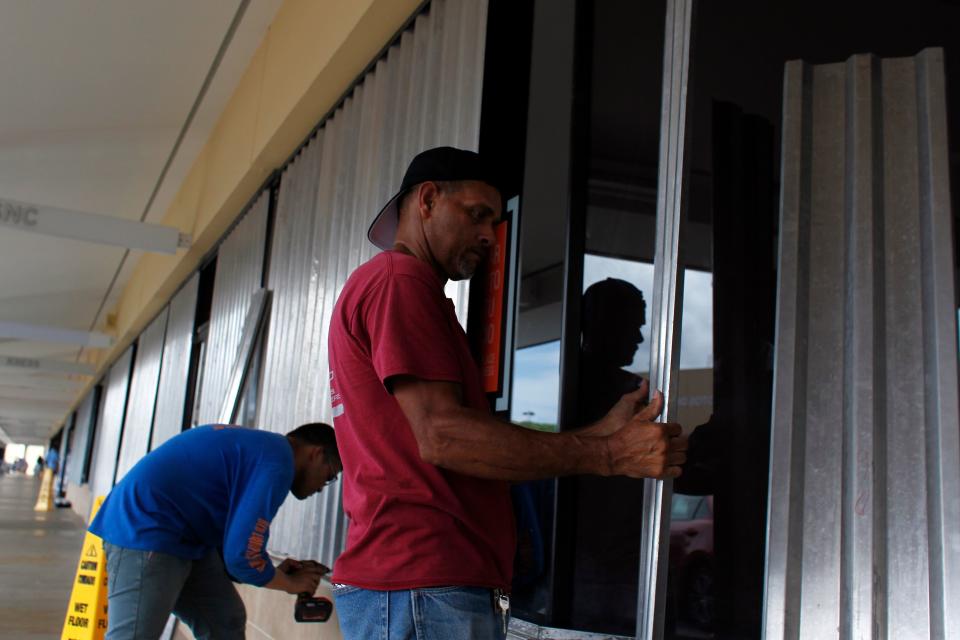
x,y
407,321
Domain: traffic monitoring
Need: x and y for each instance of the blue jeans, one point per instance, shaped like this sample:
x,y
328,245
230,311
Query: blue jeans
x,y
439,613
145,587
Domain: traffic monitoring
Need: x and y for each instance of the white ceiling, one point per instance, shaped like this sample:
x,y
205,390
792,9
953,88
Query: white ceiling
x,y
96,95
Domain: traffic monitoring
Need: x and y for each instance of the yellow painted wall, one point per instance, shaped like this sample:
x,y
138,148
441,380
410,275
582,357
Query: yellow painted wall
x,y
312,52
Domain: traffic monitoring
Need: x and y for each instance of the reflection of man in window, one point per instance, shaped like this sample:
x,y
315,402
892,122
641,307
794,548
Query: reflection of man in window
x,y
608,509
613,314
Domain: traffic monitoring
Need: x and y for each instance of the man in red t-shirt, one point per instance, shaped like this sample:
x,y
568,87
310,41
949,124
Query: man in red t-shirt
x,y
426,466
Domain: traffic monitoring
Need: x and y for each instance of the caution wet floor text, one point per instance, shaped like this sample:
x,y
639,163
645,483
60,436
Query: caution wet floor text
x,y
87,613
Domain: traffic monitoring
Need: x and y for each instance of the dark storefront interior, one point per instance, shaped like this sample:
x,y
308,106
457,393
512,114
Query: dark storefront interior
x,y
586,169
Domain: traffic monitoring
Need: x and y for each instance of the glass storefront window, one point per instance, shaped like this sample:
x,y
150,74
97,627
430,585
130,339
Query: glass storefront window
x,y
536,386
605,514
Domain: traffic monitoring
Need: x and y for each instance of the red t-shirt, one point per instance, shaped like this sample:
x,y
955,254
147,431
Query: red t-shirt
x,y
412,524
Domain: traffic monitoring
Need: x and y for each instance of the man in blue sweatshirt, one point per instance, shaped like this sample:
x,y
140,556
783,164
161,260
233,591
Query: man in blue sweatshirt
x,y
195,513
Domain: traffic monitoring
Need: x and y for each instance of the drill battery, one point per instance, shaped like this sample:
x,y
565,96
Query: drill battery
x,y
312,608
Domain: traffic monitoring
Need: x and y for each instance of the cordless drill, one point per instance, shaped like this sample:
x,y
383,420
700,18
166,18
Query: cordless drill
x,y
310,608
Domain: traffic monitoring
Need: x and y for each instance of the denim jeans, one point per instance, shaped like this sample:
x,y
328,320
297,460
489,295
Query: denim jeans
x,y
145,587
439,613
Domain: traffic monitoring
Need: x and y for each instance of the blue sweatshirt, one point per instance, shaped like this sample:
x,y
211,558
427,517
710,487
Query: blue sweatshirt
x,y
207,488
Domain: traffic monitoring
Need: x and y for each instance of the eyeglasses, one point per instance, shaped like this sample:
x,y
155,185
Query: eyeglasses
x,y
333,477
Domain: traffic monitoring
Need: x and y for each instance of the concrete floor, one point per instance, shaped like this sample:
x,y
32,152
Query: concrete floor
x,y
38,560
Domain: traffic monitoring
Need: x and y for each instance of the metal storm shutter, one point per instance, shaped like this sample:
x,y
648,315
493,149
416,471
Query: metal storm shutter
x,y
172,389
143,395
238,277
864,529
80,437
424,92
113,408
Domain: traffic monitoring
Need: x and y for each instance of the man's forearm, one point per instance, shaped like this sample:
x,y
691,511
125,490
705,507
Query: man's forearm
x,y
295,576
281,582
477,444
473,442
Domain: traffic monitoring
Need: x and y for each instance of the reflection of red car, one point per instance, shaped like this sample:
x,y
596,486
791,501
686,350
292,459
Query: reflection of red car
x,y
691,557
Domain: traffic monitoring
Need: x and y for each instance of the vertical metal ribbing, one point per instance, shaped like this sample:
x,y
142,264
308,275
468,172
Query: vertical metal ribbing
x,y
907,567
238,277
143,394
177,344
940,347
820,581
424,92
81,435
863,347
785,516
666,314
290,277
110,425
863,516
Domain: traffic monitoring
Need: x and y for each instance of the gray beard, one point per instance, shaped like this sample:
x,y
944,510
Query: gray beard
x,y
464,270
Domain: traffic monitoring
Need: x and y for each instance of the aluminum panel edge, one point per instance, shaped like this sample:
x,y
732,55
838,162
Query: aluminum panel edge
x,y
794,198
238,276
672,190
940,345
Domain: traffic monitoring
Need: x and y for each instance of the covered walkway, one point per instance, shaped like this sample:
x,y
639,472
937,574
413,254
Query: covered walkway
x,y
38,560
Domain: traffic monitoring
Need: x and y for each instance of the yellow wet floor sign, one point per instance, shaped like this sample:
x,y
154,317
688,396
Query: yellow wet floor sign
x,y
45,498
87,612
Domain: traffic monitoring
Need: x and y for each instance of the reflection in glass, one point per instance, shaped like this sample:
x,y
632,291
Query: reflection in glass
x,y
614,312
609,523
696,349
544,202
617,297
536,387
639,275
534,404
615,357
691,563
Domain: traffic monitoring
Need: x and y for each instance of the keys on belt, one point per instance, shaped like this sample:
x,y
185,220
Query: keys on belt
x,y
501,605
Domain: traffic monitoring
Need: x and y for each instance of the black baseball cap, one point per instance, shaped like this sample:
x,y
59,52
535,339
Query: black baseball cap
x,y
439,164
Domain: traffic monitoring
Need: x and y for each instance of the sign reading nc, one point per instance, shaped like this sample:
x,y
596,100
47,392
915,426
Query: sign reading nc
x,y
17,214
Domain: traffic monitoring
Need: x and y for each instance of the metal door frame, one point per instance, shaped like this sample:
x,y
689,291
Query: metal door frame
x,y
672,197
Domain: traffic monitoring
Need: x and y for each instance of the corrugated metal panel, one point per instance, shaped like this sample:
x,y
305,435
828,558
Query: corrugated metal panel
x,y
143,394
425,92
83,429
239,274
172,391
864,529
66,439
110,425
66,447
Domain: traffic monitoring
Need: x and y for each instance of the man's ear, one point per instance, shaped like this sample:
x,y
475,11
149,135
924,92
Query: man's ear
x,y
427,194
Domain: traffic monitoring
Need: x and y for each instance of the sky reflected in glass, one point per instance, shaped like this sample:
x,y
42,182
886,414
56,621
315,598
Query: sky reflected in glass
x,y
536,388
696,339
